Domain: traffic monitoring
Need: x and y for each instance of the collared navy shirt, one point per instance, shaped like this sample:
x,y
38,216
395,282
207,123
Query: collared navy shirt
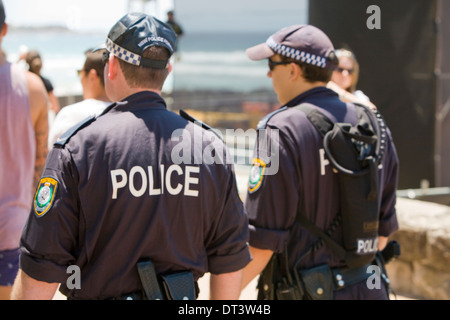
x,y
138,182
304,181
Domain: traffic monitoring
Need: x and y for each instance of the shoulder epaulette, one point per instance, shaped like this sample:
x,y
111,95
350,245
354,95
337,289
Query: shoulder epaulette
x,y
205,126
65,137
263,123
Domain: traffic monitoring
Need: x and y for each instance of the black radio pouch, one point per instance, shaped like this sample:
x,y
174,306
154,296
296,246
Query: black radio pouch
x,y
179,286
288,291
276,282
317,282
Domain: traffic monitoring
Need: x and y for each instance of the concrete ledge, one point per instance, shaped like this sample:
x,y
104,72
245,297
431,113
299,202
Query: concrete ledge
x,y
423,269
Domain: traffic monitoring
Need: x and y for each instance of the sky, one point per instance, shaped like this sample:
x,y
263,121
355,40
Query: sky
x,y
193,15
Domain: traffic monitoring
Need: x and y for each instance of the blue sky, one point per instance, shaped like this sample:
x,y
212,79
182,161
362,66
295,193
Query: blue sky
x,y
194,15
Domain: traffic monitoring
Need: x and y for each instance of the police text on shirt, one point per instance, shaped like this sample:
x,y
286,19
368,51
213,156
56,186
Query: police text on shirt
x,y
147,183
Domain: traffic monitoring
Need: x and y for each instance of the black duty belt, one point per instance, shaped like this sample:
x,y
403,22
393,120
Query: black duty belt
x,y
138,295
344,277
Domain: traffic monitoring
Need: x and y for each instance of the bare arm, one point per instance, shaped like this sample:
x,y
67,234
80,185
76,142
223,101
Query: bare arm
x,y
54,102
225,286
382,242
27,288
39,105
347,96
256,266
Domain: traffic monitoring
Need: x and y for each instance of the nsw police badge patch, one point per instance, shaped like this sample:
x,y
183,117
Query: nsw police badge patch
x,y
256,175
45,195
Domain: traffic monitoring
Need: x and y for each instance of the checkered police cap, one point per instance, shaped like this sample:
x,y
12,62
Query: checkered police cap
x,y
304,43
136,32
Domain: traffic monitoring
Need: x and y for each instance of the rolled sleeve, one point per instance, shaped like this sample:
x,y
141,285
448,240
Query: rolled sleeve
x,y
269,239
228,249
388,226
272,207
229,263
42,270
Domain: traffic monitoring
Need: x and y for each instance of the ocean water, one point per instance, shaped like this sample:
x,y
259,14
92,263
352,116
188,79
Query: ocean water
x,y
203,61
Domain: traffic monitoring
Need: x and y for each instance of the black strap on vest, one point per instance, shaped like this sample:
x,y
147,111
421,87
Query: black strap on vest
x,y
321,235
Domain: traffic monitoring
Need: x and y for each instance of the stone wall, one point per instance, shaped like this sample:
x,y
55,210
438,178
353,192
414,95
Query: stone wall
x,y
423,269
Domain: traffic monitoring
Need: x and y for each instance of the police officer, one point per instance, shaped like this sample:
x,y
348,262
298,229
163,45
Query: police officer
x,y
290,173
131,201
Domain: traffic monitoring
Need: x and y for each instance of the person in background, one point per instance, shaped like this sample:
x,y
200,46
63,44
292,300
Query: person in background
x,y
175,26
94,95
23,151
34,61
345,79
129,193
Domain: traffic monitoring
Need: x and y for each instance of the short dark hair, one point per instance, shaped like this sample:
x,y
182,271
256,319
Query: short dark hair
x,y
311,73
94,61
138,76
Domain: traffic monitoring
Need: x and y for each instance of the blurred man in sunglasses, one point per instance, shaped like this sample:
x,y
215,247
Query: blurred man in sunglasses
x,y
94,101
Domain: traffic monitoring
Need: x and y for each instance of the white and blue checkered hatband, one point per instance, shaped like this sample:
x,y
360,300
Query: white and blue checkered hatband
x,y
297,54
122,53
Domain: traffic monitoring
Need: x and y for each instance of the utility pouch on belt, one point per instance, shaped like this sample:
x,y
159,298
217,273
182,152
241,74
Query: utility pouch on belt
x,y
175,286
317,283
276,283
149,280
179,286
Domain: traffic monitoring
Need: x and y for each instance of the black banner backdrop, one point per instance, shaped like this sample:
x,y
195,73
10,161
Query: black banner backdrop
x,y
405,71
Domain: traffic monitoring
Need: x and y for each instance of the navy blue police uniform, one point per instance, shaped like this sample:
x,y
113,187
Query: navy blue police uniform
x,y
302,179
139,199
112,194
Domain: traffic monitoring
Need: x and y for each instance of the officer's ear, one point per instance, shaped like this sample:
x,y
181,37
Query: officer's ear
x,y
295,71
113,67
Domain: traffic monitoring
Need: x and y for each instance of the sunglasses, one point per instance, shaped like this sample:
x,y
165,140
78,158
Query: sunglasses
x,y
340,70
273,64
105,57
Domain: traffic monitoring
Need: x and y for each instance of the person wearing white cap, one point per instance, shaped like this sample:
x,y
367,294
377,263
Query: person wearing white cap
x,y
301,60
